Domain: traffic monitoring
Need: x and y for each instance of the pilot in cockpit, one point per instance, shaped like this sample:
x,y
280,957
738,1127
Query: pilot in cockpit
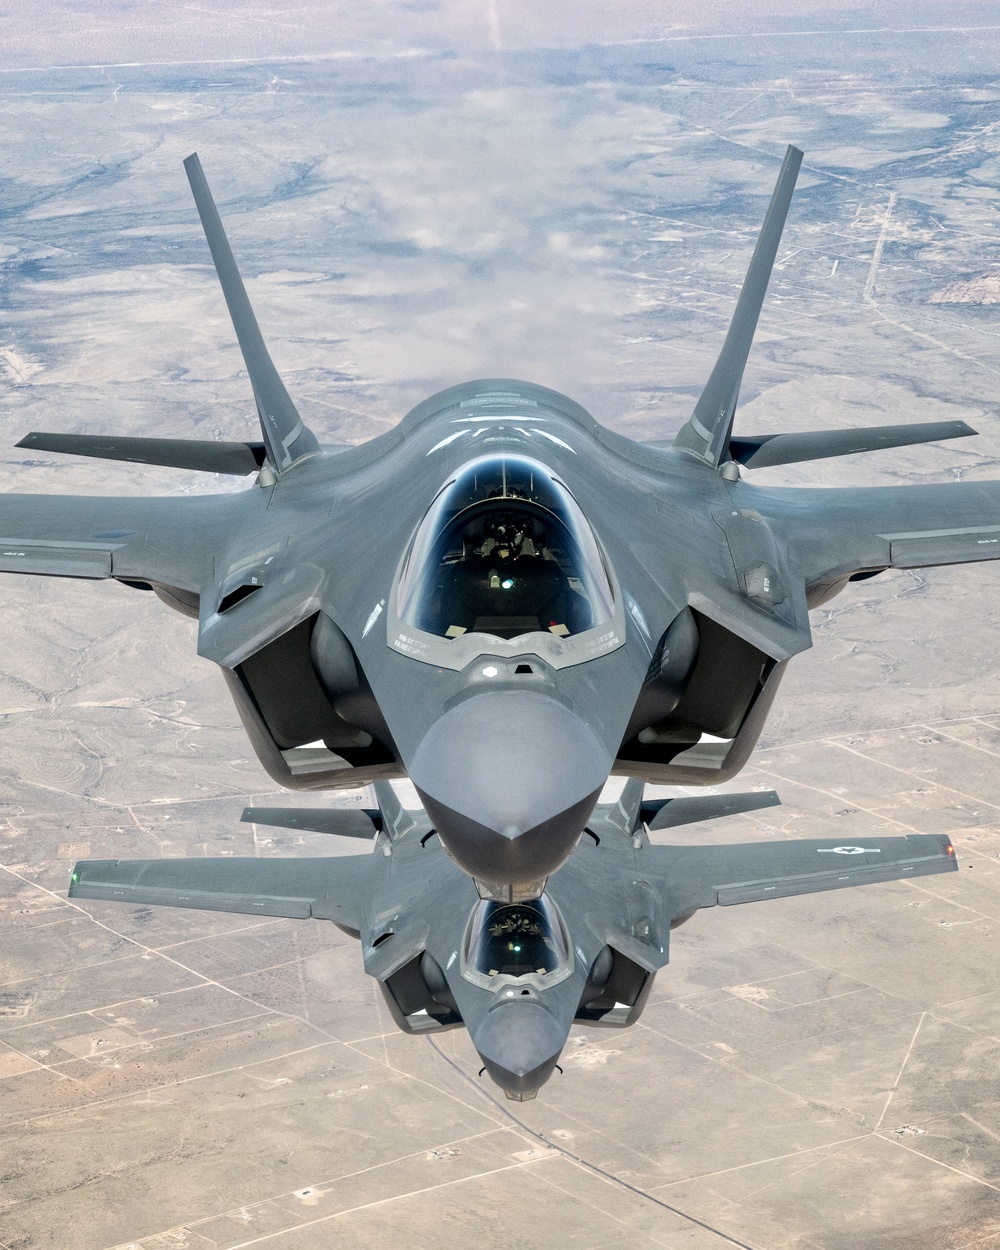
x,y
504,551
506,543
506,580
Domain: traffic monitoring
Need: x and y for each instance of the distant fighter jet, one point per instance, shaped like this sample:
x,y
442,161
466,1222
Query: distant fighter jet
x,y
505,602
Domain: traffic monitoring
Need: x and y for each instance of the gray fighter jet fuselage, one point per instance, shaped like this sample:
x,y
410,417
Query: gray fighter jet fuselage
x,y
507,603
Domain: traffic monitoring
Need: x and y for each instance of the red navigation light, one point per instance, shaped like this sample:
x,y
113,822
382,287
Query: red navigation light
x,y
949,849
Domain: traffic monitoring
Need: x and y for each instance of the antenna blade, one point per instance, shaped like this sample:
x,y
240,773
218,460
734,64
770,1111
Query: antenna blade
x,y
706,434
286,437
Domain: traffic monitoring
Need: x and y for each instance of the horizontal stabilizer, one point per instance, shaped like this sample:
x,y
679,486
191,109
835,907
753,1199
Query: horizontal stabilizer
x,y
762,451
348,822
671,813
704,876
238,459
325,889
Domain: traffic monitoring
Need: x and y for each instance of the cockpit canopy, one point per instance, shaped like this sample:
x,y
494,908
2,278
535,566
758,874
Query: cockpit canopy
x,y
515,940
504,550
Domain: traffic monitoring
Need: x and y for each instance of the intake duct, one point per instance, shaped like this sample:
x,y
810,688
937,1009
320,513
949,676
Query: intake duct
x,y
669,670
616,990
310,707
418,997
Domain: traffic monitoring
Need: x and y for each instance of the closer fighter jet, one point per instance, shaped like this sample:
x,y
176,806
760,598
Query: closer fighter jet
x,y
507,603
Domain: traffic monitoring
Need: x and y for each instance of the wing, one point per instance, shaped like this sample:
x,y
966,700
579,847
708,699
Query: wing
x,y
706,876
324,889
163,541
837,533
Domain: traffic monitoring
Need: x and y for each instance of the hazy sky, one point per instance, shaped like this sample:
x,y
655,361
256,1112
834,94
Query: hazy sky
x,y
158,31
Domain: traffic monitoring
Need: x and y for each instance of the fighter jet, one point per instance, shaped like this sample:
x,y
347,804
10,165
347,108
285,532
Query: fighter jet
x,y
507,603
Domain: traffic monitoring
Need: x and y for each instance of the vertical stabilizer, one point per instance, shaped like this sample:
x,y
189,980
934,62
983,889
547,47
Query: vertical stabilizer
x,y
285,436
621,816
706,434
626,810
396,819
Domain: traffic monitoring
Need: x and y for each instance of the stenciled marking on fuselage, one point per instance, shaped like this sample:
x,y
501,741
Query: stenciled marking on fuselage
x,y
376,613
498,399
606,642
552,439
445,441
493,417
409,646
849,850
486,424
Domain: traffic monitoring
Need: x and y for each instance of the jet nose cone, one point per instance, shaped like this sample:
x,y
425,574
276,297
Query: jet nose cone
x,y
520,1043
509,779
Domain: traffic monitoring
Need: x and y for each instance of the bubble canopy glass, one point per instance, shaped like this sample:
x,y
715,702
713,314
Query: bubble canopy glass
x,y
504,550
516,942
